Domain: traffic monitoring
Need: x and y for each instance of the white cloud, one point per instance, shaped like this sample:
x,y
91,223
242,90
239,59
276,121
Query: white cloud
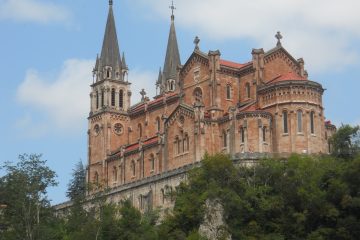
x,y
321,31
64,99
33,11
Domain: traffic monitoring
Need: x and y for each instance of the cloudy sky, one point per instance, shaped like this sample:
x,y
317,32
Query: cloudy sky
x,y
48,48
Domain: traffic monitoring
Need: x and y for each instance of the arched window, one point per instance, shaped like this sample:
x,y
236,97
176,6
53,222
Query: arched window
x,y
158,124
186,143
102,97
108,73
140,130
242,134
96,178
121,98
198,95
247,90
285,122
225,143
312,127
97,100
113,97
133,168
152,163
264,134
228,91
299,121
115,174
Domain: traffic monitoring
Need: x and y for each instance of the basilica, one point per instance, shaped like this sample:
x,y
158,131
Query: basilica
x,y
261,108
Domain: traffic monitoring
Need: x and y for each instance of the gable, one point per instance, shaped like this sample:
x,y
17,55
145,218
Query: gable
x,y
279,61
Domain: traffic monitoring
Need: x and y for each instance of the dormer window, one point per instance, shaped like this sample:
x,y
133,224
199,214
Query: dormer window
x,y
107,72
171,85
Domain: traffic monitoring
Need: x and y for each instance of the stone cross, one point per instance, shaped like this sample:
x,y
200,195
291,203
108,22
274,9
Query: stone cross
x,y
278,37
143,94
172,7
196,42
110,2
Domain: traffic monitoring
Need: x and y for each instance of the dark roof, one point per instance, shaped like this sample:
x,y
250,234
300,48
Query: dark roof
x,y
110,53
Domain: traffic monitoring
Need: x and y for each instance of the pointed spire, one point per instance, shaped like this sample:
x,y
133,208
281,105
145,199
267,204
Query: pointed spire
x,y
123,62
158,82
110,53
172,59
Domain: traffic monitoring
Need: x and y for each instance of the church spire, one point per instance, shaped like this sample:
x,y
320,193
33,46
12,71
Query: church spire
x,y
110,59
172,59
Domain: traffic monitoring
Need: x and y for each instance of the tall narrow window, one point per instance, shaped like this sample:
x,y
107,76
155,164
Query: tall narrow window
x,y
102,98
186,143
140,130
133,168
299,121
96,178
225,139
115,174
285,122
247,90
108,73
312,127
242,134
113,97
158,124
121,98
97,100
178,145
198,95
264,134
152,162
228,92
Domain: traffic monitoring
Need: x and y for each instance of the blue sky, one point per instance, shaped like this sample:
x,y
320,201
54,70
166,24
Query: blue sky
x,y
48,49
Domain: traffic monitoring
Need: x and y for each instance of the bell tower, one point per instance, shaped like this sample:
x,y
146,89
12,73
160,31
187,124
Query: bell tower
x,y
110,101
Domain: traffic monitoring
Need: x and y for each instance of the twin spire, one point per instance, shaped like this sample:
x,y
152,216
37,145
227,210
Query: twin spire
x,y
111,59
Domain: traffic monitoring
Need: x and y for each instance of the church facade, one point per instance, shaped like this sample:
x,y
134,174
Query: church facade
x,y
264,107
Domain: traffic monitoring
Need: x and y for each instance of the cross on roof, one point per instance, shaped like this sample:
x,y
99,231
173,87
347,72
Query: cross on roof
x,y
143,94
278,37
110,2
172,7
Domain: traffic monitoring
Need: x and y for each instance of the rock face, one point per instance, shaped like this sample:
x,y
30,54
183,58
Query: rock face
x,y
213,226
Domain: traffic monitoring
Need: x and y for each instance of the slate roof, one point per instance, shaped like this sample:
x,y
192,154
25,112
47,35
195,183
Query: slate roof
x,y
172,59
110,53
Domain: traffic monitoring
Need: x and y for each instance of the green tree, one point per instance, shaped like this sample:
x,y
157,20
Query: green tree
x,y
346,141
77,185
23,190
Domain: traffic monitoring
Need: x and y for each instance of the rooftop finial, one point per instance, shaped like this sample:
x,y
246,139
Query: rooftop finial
x,y
278,37
172,7
110,2
196,42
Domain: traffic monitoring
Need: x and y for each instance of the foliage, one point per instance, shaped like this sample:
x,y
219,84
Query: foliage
x,y
23,190
346,141
77,185
301,198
